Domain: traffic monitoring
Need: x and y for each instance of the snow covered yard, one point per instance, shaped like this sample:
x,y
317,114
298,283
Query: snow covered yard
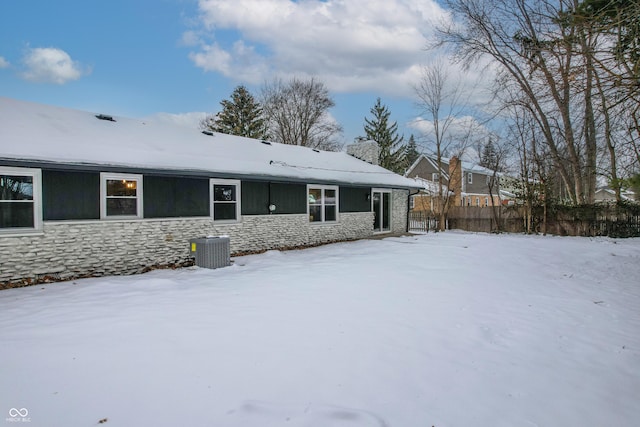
x,y
448,329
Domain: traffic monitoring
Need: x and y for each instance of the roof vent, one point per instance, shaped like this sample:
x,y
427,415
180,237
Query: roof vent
x,y
105,117
207,132
266,142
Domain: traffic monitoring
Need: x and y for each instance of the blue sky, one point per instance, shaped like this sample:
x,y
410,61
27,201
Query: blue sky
x,y
138,58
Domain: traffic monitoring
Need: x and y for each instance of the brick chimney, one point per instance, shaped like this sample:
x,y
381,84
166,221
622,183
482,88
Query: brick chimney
x,y
455,180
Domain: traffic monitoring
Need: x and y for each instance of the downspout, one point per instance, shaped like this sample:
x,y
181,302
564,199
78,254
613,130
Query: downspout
x,y
409,206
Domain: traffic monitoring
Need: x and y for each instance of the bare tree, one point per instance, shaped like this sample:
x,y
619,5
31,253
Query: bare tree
x,y
535,48
443,102
297,113
493,156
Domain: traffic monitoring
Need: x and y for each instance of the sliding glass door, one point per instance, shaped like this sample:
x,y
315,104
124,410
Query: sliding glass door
x,y
381,206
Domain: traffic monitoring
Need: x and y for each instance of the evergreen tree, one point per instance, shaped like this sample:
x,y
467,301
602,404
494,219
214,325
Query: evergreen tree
x,y
379,129
634,183
411,153
241,115
489,156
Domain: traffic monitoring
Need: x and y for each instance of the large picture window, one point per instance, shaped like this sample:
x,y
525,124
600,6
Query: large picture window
x,y
323,203
20,199
120,196
225,196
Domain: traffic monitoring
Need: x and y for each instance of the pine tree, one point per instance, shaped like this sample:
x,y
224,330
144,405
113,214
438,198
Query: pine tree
x,y
379,129
241,115
411,153
489,156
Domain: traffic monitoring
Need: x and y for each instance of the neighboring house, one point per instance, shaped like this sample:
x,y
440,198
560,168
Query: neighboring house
x,y
604,194
467,182
425,200
84,194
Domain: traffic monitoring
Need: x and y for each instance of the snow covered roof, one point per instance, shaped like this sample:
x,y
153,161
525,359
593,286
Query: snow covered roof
x,y
430,187
42,133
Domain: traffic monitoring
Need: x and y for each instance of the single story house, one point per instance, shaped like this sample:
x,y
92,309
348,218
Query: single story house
x,y
85,194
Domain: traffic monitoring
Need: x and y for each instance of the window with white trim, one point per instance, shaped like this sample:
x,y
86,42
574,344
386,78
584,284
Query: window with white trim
x,y
486,201
20,199
412,202
469,177
225,200
478,201
435,177
120,196
322,203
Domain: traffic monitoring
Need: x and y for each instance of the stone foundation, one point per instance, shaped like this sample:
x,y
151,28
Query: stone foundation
x,y
67,249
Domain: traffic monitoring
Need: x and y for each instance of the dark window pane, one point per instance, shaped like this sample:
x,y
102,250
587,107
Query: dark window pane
x,y
224,193
315,213
16,187
386,211
14,214
329,213
330,197
121,206
376,212
224,211
121,187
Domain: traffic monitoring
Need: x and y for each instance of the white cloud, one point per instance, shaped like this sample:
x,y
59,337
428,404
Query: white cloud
x,y
462,134
51,65
351,45
4,63
240,62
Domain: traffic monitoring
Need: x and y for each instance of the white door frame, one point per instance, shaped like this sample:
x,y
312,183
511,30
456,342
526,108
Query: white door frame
x,y
379,216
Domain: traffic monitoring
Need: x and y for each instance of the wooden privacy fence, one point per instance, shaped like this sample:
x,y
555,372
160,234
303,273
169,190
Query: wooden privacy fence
x,y
481,219
614,220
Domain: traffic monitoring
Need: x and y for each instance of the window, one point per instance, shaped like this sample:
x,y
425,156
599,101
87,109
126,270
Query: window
x,y
20,199
225,197
486,201
120,196
435,177
469,177
412,202
323,203
478,201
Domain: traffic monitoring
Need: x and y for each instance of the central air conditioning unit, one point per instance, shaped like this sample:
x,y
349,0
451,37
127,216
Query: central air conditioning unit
x,y
211,252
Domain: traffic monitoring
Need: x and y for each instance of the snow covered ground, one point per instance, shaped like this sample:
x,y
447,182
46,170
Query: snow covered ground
x,y
448,329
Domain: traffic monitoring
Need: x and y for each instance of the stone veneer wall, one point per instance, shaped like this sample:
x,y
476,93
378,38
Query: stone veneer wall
x,y
67,249
400,207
